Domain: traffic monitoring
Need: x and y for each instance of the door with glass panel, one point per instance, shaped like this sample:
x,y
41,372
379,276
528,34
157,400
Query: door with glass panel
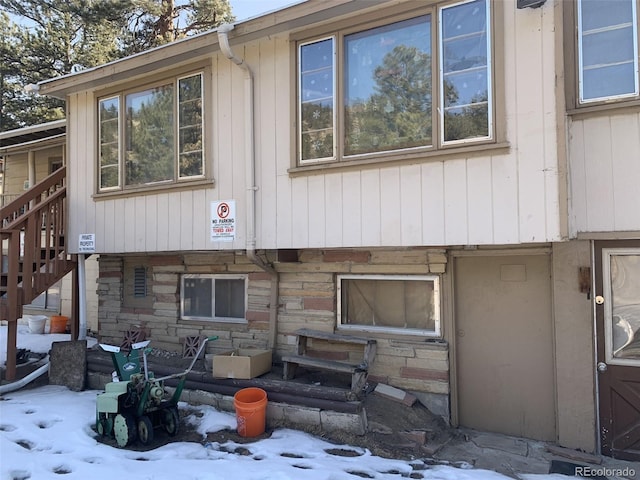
x,y
618,335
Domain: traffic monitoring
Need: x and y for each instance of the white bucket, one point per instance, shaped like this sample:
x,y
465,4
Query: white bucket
x,y
36,323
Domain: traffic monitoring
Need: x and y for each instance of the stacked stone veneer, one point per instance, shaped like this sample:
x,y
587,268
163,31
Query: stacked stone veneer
x,y
307,298
162,321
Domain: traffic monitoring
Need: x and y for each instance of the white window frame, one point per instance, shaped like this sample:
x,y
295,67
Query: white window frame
x,y
436,333
214,277
438,134
441,74
636,91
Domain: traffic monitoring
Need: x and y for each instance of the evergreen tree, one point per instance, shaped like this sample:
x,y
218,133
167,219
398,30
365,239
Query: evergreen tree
x,y
48,38
155,22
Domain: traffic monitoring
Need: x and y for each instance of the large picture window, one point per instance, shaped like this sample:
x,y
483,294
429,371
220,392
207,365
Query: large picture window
x,y
392,304
379,90
220,298
607,49
152,136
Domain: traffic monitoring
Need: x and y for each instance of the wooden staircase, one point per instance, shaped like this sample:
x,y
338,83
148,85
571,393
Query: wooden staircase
x,y
34,258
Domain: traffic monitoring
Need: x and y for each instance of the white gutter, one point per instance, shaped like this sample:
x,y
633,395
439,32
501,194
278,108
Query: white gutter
x,y
250,176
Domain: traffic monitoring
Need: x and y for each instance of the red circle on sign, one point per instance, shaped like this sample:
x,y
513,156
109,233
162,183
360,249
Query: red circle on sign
x,y
223,210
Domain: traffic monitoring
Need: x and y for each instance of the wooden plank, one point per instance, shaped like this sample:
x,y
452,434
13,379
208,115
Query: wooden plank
x,y
334,337
322,364
574,454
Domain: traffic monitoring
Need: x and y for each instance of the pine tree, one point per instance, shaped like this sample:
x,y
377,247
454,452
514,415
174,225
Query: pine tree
x,y
43,39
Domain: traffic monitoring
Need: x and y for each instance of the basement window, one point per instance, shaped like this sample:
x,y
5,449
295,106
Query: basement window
x,y
401,304
219,298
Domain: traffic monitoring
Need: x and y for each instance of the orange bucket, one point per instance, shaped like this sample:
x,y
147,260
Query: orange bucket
x,y
58,324
251,410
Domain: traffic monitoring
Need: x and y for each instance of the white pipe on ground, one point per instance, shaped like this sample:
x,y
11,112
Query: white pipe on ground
x,y
10,387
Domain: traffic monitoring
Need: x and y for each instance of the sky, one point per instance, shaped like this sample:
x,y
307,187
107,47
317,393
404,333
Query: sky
x,y
47,433
244,9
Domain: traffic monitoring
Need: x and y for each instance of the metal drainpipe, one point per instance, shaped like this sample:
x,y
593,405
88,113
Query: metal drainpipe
x,y
82,298
250,169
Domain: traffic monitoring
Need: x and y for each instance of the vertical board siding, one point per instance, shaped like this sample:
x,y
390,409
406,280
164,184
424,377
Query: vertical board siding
x,y
455,203
352,208
480,201
371,223
267,113
390,215
334,209
504,197
504,175
410,205
625,172
317,212
604,172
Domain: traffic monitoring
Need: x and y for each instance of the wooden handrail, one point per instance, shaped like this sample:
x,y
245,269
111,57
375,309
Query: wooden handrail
x,y
21,205
32,230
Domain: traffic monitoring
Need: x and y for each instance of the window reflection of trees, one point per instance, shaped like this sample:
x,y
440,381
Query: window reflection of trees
x,y
150,136
398,114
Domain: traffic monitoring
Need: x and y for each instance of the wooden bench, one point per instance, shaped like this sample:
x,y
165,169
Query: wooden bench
x,y
358,371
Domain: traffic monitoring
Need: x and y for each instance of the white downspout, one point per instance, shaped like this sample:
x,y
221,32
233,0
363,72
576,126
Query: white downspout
x,y
250,177
82,298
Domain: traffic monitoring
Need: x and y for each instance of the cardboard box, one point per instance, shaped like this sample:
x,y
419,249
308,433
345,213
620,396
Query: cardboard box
x,y
241,363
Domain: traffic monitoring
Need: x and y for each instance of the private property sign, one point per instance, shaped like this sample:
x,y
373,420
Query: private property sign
x,y
223,221
87,243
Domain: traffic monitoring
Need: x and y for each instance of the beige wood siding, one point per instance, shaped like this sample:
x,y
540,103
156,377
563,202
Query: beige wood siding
x,y
604,173
505,196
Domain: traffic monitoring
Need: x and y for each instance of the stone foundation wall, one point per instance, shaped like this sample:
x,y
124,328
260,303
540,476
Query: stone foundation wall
x,y
161,322
307,298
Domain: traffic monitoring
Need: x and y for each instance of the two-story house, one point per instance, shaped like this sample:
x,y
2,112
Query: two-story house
x,y
398,169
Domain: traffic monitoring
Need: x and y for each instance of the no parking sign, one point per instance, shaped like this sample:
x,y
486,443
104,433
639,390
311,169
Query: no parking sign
x,y
223,221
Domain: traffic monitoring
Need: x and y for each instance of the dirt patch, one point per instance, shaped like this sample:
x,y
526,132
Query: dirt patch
x,y
395,430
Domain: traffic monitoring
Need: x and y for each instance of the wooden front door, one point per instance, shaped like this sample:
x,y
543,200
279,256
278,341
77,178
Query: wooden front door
x,y
617,299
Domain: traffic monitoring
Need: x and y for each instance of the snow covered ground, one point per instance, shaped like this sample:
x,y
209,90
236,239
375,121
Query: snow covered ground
x,y
47,432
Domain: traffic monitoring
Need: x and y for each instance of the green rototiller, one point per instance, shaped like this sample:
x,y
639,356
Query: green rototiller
x,y
137,403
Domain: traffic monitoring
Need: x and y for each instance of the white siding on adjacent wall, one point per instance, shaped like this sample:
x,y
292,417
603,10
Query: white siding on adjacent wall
x,y
508,196
604,172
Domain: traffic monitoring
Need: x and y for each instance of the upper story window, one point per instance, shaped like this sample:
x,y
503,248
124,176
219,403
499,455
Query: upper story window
x,y
379,90
152,136
607,50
